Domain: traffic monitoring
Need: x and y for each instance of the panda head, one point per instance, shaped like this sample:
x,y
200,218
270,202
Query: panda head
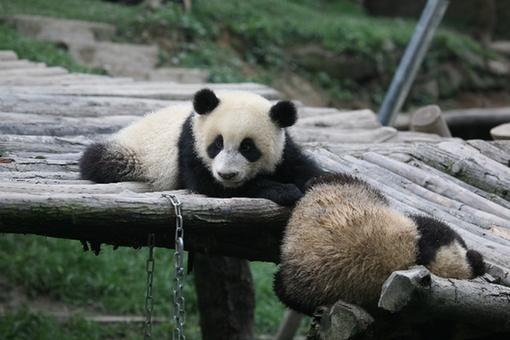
x,y
240,135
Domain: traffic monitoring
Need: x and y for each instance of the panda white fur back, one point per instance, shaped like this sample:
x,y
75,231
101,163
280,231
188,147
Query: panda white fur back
x,y
222,145
343,241
152,141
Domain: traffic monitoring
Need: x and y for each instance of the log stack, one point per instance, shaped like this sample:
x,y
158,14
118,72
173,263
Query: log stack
x,y
48,116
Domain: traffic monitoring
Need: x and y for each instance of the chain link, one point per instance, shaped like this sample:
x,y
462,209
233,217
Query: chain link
x,y
149,300
179,278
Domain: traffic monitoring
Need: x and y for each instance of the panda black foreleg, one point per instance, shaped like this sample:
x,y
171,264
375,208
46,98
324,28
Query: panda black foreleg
x,y
281,193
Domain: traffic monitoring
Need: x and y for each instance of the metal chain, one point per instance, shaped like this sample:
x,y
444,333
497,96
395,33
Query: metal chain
x,y
179,278
149,301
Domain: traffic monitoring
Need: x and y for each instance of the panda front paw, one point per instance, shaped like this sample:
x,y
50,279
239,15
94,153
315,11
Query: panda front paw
x,y
285,194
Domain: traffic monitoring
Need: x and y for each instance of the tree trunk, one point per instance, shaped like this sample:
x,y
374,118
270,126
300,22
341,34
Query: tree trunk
x,y
226,297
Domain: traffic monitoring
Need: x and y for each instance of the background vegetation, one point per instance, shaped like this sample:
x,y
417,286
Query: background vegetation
x,y
265,41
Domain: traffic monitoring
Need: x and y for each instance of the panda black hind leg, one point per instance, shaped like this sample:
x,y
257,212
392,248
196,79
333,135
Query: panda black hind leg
x,y
107,162
444,252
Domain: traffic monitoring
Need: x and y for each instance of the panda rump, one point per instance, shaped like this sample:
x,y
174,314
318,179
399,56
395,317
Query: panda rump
x,y
343,241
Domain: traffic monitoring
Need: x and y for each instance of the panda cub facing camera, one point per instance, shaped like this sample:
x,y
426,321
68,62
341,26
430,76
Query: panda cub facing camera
x,y
227,144
343,241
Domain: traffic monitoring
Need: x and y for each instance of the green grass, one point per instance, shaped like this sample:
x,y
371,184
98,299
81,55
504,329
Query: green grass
x,y
90,10
261,36
112,283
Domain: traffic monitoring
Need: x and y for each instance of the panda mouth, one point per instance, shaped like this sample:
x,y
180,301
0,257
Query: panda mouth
x,y
230,183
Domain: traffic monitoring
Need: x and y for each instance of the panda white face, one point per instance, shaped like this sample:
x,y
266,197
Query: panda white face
x,y
239,135
233,163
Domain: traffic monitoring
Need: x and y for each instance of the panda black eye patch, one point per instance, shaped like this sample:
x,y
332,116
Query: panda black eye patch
x,y
215,147
249,150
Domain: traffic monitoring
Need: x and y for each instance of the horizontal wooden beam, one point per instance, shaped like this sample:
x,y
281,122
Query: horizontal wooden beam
x,y
230,227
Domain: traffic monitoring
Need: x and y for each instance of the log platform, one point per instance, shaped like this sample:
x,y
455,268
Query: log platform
x,y
48,116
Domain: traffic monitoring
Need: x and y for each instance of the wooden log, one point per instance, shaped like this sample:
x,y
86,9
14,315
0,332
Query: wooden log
x,y
342,321
40,177
83,106
358,149
86,187
437,185
229,227
468,164
153,90
18,64
34,72
494,151
415,137
421,305
501,132
417,291
63,79
428,119
303,135
358,119
411,161
44,143
61,129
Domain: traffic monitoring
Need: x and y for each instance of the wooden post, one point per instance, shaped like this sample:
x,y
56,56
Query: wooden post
x,y
226,297
501,132
289,325
187,5
429,119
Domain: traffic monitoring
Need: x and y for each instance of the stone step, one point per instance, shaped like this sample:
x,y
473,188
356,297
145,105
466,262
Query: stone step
x,y
128,60
60,30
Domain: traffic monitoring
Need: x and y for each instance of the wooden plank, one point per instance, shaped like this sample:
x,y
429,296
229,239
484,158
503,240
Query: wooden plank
x,y
61,79
491,150
435,172
417,291
40,177
358,119
154,90
49,144
33,72
306,135
468,164
79,106
35,125
19,64
125,220
85,188
437,185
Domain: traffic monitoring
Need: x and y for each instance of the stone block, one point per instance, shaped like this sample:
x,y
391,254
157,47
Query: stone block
x,y
60,30
178,75
117,59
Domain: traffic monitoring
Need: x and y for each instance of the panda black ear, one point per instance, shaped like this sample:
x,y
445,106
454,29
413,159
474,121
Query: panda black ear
x,y
205,101
284,113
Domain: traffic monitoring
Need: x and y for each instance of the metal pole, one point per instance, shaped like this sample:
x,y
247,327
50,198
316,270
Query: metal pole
x,y
411,61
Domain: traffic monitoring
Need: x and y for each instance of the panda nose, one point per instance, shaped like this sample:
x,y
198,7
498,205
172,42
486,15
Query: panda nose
x,y
227,175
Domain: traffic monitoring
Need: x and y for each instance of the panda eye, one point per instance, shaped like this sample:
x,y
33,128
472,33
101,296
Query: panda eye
x,y
215,147
249,150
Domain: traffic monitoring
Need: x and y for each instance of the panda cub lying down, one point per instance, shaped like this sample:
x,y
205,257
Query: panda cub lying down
x,y
225,144
343,241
